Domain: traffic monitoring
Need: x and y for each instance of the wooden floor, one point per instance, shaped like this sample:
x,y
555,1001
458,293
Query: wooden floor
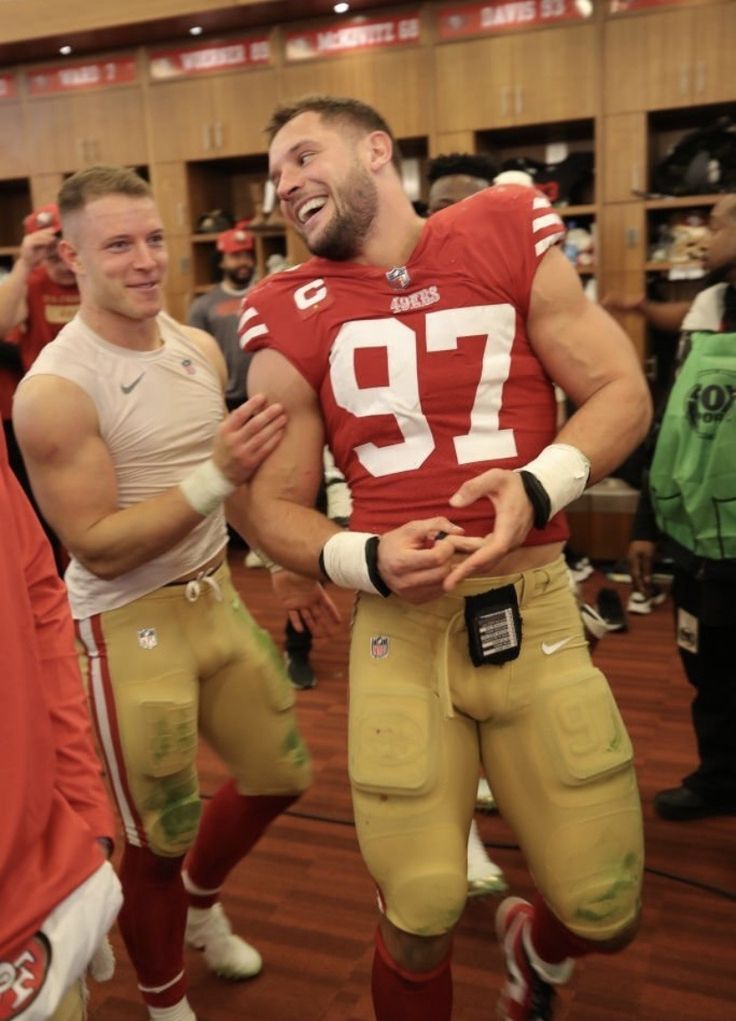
x,y
304,899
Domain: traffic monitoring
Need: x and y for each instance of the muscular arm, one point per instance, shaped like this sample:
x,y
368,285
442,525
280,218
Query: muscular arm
x,y
279,503
281,497
591,358
74,480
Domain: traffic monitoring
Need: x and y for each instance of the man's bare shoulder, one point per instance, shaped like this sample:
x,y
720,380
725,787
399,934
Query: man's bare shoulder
x,y
51,414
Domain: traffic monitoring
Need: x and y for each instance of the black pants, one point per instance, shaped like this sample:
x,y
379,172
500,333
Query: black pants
x,y
712,672
297,643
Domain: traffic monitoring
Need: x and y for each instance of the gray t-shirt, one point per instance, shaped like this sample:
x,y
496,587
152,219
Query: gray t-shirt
x,y
217,312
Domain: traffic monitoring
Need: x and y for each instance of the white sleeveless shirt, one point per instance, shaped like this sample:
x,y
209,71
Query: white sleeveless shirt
x,y
158,413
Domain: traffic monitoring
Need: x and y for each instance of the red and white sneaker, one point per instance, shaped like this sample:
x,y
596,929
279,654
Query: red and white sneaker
x,y
529,993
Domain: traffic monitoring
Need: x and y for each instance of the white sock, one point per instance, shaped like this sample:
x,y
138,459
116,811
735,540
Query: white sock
x,y
484,790
195,915
181,1011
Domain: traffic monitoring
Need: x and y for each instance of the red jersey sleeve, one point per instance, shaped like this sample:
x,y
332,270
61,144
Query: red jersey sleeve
x,y
280,313
78,770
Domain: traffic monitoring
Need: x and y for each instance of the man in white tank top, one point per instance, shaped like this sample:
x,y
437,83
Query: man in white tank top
x,y
122,425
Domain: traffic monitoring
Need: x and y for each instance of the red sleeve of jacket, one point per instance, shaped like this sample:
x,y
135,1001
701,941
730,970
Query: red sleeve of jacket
x,y
78,770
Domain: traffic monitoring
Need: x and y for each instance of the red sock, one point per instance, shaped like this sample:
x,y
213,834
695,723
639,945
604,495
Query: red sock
x,y
231,824
152,922
553,941
400,995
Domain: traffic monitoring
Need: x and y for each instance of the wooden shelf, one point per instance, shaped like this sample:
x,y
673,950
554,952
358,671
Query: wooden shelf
x,y
261,232
665,267
9,249
567,211
683,201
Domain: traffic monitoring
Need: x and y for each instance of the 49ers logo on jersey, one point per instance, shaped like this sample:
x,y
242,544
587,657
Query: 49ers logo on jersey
x,y
418,299
22,977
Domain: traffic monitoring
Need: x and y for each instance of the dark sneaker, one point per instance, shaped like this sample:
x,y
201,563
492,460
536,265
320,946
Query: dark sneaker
x,y
300,671
681,803
527,995
611,609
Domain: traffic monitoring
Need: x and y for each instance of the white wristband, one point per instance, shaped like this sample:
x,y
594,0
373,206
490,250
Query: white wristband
x,y
563,471
345,563
206,487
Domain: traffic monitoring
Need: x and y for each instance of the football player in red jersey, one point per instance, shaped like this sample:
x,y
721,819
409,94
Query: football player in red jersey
x,y
59,893
424,351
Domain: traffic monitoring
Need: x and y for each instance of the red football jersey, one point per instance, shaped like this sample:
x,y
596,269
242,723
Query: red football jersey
x,y
53,801
429,381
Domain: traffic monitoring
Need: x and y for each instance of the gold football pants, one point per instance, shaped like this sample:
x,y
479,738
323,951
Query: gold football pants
x,y
545,728
168,667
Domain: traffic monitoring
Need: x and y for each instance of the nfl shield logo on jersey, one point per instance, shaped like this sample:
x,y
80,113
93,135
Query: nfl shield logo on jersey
x,y
379,646
147,638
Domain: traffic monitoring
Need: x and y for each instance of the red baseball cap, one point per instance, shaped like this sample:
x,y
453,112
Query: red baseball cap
x,y
44,216
237,239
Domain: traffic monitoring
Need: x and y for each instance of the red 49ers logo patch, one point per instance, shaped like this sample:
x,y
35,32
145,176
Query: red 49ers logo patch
x,y
22,977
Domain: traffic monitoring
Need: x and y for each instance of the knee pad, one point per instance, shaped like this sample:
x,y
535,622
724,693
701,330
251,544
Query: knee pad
x,y
593,863
601,907
171,816
171,806
298,763
427,903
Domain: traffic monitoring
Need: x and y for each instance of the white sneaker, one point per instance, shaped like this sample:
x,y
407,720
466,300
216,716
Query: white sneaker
x,y
226,954
594,625
484,799
180,1011
640,602
484,876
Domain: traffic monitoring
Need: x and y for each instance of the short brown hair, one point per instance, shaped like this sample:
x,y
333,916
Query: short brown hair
x,y
97,182
334,108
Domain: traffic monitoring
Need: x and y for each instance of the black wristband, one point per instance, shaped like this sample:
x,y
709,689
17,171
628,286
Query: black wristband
x,y
371,559
538,498
321,563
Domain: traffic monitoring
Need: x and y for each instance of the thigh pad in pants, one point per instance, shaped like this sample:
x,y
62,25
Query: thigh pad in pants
x,y
566,784
411,827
